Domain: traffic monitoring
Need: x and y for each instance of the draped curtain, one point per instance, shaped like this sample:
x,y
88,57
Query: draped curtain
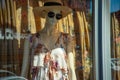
x,y
9,50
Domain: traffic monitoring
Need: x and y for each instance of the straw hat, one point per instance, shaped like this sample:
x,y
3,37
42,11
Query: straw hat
x,y
49,5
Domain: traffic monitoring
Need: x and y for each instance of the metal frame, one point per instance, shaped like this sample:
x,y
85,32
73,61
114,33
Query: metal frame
x,y
102,40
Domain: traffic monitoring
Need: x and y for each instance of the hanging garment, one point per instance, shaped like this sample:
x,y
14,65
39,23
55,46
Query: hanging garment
x,y
50,64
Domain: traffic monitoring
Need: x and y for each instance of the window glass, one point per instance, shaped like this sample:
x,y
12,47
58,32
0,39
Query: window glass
x,y
115,39
21,57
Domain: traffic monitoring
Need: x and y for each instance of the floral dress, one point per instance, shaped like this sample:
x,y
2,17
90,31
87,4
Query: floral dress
x,y
49,64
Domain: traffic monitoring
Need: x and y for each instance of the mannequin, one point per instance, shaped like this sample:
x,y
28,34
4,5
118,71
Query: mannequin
x,y
51,50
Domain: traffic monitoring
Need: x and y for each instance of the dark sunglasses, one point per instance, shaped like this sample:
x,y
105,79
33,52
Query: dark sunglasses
x,y
52,15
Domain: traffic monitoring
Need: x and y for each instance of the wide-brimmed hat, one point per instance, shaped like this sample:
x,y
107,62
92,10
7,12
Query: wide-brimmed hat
x,y
50,5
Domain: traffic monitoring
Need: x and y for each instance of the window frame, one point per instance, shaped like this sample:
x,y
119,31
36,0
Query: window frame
x,y
102,52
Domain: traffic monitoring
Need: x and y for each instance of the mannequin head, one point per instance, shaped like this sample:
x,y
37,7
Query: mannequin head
x,y
51,11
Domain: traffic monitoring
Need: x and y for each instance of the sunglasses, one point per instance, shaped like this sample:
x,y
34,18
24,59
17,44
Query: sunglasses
x,y
52,15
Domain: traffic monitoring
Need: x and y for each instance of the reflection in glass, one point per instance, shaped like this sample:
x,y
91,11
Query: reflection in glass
x,y
14,16
115,39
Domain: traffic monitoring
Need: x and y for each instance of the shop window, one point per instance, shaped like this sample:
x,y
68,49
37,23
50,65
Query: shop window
x,y
19,22
115,39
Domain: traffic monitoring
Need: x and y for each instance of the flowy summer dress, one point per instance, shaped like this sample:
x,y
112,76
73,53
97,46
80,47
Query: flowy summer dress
x,y
49,64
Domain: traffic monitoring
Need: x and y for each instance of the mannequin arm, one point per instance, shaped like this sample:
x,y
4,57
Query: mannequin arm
x,y
25,62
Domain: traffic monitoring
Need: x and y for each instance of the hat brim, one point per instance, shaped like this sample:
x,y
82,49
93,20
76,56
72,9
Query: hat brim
x,y
42,11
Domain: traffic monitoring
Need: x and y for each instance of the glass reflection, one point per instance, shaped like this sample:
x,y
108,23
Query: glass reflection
x,y
115,39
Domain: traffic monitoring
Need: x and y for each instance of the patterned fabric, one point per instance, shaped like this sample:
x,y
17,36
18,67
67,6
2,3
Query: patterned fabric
x,y
49,64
